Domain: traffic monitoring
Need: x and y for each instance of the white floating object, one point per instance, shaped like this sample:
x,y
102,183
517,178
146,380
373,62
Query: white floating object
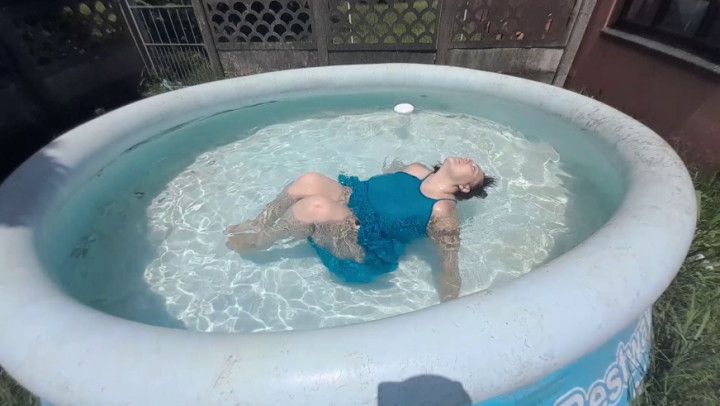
x,y
404,108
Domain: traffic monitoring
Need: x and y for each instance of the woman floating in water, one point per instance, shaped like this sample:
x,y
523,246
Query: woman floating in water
x,y
360,228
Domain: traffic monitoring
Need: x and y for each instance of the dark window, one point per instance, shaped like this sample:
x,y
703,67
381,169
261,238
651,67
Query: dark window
x,y
693,25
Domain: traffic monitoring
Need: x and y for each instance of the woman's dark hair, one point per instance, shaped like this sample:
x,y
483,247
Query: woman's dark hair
x,y
477,191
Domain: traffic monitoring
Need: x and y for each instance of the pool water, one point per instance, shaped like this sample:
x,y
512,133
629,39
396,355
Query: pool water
x,y
143,239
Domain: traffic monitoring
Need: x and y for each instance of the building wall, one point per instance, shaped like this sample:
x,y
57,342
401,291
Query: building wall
x,y
677,99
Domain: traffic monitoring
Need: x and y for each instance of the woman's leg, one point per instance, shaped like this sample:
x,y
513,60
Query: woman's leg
x,y
316,184
308,185
298,222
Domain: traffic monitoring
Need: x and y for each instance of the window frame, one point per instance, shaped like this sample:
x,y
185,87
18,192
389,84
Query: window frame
x,y
649,26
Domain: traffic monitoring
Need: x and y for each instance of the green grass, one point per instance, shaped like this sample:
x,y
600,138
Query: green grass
x,y
184,68
12,394
685,362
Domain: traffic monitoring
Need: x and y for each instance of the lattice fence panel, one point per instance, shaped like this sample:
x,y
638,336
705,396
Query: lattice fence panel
x,y
377,24
523,22
263,23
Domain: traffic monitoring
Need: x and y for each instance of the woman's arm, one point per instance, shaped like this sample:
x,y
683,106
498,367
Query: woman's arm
x,y
444,229
415,169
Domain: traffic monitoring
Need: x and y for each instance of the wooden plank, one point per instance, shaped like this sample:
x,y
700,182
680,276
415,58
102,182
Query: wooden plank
x,y
516,61
381,47
321,19
240,63
445,28
208,38
544,77
264,46
358,57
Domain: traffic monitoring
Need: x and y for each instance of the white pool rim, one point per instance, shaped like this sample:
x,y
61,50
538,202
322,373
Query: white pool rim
x,y
492,342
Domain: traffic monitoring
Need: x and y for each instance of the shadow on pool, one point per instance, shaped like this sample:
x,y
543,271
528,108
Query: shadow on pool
x,y
423,390
45,168
52,173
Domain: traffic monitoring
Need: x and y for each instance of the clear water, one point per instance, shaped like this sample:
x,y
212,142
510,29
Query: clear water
x,y
148,244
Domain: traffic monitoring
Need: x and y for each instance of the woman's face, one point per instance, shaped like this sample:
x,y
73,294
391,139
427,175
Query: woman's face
x,y
464,171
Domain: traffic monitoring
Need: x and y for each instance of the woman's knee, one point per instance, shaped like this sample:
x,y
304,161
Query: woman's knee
x,y
317,209
306,185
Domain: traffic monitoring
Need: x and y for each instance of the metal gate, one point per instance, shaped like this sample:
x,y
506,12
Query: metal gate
x,y
170,39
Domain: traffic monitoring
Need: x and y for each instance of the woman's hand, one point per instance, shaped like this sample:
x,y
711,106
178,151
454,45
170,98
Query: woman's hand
x,y
395,166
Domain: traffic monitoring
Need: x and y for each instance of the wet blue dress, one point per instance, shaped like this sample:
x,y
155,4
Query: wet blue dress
x,y
392,212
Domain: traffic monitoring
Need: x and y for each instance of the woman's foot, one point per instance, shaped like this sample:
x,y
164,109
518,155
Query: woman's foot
x,y
246,242
243,227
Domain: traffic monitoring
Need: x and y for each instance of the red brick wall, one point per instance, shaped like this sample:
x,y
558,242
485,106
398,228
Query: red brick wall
x,y
678,100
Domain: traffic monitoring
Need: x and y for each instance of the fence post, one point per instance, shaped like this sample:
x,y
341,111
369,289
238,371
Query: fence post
x,y
321,21
579,22
208,38
445,30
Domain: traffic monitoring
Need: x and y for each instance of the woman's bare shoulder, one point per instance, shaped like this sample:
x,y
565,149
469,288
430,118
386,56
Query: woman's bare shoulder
x,y
417,170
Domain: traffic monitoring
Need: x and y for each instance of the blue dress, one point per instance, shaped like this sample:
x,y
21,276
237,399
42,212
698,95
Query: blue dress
x,y
392,211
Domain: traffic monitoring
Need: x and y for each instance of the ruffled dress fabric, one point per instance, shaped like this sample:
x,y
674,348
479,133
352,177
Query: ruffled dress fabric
x,y
384,237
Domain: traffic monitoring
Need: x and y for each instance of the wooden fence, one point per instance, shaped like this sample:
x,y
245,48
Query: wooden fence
x,y
530,38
